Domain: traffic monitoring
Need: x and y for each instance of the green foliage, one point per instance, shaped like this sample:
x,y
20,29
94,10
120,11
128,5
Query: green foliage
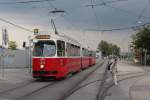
x,y
141,40
108,48
12,45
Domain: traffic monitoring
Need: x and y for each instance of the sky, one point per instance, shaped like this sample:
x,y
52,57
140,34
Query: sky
x,y
80,21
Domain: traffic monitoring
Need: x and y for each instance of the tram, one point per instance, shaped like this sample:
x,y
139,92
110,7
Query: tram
x,y
92,58
57,56
85,58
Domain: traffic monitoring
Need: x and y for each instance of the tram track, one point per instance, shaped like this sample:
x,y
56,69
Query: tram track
x,y
98,97
103,88
13,92
41,88
67,93
109,86
30,93
16,87
130,88
75,86
98,80
104,93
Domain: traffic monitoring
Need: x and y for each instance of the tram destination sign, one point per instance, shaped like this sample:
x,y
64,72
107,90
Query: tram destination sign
x,y
42,37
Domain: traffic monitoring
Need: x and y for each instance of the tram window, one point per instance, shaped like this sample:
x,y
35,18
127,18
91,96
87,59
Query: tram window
x,y
44,49
73,50
60,48
77,51
49,50
69,50
90,53
85,52
82,51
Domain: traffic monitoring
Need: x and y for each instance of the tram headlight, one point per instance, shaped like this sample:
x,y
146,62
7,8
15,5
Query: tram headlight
x,y
41,66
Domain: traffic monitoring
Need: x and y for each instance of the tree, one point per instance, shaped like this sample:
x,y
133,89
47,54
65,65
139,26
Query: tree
x,y
141,40
12,45
108,48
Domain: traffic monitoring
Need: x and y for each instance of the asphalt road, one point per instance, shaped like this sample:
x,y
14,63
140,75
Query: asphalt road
x,y
49,90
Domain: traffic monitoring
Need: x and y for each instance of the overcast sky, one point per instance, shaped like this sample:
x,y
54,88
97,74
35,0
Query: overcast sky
x,y
79,21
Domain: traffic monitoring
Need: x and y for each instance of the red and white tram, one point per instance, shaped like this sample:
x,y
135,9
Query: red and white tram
x,y
92,59
58,56
85,58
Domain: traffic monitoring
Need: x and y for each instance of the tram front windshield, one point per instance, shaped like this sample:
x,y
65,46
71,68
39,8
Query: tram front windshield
x,y
44,49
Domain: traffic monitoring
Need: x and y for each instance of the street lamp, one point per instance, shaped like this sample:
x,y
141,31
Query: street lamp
x,y
30,52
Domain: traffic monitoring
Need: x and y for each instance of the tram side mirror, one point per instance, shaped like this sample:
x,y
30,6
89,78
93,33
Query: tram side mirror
x,y
24,44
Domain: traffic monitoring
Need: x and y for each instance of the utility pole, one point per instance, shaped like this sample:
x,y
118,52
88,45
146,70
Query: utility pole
x,y
145,59
30,54
2,56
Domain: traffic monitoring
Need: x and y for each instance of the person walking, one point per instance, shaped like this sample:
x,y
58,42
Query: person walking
x,y
112,67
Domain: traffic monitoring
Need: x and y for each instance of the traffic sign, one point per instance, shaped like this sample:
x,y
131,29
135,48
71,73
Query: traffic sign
x,y
36,31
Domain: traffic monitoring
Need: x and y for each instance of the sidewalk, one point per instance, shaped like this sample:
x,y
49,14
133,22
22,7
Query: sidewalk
x,y
10,78
14,76
133,84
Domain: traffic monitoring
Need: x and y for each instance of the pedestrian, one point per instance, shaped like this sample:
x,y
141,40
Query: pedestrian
x,y
112,67
109,64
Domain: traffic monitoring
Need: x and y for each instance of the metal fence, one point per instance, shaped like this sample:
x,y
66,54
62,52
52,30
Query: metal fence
x,y
14,58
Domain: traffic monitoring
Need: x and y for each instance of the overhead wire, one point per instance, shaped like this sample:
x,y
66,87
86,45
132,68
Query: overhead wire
x,y
24,2
20,2
65,18
105,3
13,24
55,11
123,28
115,29
143,11
119,29
94,12
126,11
139,16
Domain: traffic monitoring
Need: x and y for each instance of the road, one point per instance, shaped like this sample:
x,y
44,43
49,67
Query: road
x,y
31,89
94,83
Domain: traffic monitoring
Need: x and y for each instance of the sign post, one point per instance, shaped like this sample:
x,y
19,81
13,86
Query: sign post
x,y
36,31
